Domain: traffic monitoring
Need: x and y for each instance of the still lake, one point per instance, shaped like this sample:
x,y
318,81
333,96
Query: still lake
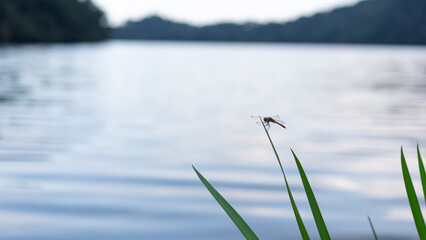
x,y
97,140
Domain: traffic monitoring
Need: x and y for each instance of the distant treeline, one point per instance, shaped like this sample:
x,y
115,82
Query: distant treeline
x,y
51,21
371,21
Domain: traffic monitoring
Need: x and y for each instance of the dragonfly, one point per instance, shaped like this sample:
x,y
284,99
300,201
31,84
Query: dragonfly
x,y
268,120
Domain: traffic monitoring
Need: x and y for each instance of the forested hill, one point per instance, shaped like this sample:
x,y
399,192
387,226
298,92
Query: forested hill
x,y
371,21
50,21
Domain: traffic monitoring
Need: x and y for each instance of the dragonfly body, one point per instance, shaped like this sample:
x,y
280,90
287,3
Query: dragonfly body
x,y
269,120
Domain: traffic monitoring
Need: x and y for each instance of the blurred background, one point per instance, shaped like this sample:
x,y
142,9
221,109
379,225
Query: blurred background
x,y
105,105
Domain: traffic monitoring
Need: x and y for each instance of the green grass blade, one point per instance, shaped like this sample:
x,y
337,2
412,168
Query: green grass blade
x,y
235,217
422,171
319,220
372,228
412,199
299,221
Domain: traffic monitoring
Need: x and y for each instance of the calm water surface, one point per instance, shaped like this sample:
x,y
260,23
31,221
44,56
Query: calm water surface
x,y
97,140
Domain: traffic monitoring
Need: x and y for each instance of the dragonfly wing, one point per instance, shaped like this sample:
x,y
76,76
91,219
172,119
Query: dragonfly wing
x,y
280,121
267,125
258,121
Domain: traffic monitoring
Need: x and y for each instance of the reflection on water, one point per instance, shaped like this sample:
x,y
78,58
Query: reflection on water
x,y
97,140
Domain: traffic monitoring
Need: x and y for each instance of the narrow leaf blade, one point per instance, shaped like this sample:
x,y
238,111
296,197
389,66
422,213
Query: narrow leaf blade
x,y
319,220
412,199
422,171
372,228
299,220
235,217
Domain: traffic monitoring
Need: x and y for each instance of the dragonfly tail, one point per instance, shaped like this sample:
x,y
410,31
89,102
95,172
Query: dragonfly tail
x,y
279,124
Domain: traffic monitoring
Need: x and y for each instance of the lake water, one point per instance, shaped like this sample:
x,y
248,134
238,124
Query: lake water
x,y
97,140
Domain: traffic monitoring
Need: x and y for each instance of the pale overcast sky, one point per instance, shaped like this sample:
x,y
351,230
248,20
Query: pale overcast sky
x,y
212,11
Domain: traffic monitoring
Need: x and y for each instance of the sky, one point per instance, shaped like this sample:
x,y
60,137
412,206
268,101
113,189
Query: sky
x,y
201,12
